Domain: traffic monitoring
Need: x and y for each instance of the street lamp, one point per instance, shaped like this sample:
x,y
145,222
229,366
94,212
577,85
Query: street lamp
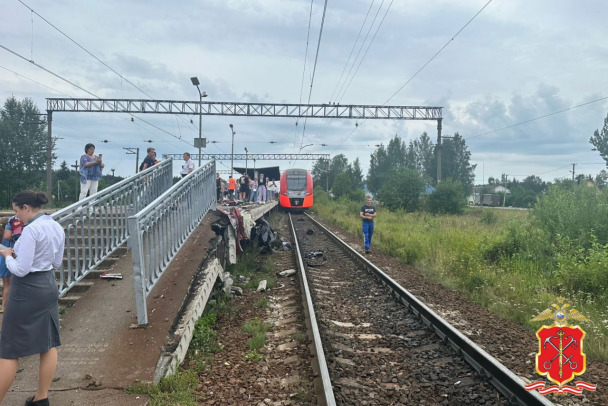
x,y
246,152
232,154
202,94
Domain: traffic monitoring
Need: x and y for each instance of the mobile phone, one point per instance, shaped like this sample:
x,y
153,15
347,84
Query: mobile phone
x,y
100,155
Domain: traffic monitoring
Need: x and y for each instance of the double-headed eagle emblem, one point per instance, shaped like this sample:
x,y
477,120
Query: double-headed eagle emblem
x,y
560,313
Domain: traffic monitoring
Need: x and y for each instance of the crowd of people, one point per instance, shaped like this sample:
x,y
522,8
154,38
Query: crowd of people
x,y
259,189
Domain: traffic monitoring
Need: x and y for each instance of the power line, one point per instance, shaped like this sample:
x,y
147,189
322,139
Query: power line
x,y
32,80
295,135
48,71
83,48
314,68
538,118
352,49
368,47
438,52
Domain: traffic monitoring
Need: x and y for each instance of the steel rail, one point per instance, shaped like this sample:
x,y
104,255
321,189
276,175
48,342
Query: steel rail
x,y
507,383
319,364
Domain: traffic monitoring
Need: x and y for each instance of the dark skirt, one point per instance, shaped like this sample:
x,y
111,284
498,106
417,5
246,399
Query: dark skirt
x,y
31,319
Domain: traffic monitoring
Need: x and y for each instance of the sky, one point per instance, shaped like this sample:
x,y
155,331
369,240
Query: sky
x,y
523,82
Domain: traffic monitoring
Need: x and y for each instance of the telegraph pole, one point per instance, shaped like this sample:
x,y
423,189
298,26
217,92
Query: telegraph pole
x,y
75,166
134,151
49,158
439,150
573,165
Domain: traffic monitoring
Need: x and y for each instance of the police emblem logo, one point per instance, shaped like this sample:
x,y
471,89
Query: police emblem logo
x,y
560,356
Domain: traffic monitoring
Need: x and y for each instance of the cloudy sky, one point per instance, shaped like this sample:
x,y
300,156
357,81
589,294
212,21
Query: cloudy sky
x,y
508,74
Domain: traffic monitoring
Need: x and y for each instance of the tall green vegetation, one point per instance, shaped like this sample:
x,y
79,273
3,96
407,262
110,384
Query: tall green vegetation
x,y
448,198
393,167
599,140
516,263
575,213
338,175
402,190
23,148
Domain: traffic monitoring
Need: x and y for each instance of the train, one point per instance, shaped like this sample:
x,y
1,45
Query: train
x,y
296,190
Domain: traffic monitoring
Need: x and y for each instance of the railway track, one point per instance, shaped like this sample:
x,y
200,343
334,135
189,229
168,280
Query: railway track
x,y
376,344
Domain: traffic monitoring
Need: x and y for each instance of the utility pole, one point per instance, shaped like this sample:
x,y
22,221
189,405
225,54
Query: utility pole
x,y
439,150
131,151
504,182
75,166
49,158
573,165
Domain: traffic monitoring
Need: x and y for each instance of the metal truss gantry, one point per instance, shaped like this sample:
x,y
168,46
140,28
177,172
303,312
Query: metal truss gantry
x,y
210,108
257,157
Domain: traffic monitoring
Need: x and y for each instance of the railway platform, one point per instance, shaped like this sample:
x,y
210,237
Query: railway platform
x,y
103,349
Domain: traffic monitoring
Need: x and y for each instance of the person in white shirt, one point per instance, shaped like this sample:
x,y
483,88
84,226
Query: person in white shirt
x,y
188,165
31,318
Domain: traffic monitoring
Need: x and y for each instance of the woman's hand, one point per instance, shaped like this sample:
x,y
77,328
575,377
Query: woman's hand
x,y
7,252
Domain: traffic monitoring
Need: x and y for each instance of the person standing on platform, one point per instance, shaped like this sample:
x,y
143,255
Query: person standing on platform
x,y
188,165
262,189
90,171
149,160
231,187
31,319
367,214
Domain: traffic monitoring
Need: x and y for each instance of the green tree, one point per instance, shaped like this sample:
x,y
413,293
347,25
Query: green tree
x,y
320,172
448,198
402,190
384,161
356,174
23,147
342,186
455,162
599,140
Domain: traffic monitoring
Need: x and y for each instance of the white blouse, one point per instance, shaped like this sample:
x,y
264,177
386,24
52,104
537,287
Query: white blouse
x,y
40,247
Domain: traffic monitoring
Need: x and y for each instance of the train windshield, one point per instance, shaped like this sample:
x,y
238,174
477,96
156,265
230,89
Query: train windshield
x,y
296,181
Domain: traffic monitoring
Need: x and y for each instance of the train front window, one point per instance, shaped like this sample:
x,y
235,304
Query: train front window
x,y
296,182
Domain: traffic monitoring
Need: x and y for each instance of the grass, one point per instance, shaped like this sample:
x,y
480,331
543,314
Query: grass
x,y
500,259
179,389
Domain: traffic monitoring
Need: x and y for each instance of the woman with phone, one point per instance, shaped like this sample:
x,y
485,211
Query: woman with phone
x,y
31,319
90,171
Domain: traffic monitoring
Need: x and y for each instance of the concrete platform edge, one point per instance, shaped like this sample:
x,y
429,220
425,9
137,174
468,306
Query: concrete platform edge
x,y
168,363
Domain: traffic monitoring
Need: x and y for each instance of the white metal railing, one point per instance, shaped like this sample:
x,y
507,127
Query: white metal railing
x,y
96,226
159,230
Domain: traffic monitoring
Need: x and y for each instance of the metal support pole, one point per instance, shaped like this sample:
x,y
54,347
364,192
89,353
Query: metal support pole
x,y
200,128
439,150
49,158
232,152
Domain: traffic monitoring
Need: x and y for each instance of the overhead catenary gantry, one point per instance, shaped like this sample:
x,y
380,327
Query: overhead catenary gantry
x,y
211,108
259,157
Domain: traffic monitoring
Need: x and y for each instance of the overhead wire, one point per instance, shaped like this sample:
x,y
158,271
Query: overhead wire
x,y
314,69
425,64
438,52
362,58
538,118
93,56
295,137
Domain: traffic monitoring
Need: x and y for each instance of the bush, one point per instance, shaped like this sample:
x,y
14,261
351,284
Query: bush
x,y
448,198
402,190
574,213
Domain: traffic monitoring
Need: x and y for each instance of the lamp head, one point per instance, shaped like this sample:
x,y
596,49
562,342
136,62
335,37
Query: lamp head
x,y
230,125
195,81
204,94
